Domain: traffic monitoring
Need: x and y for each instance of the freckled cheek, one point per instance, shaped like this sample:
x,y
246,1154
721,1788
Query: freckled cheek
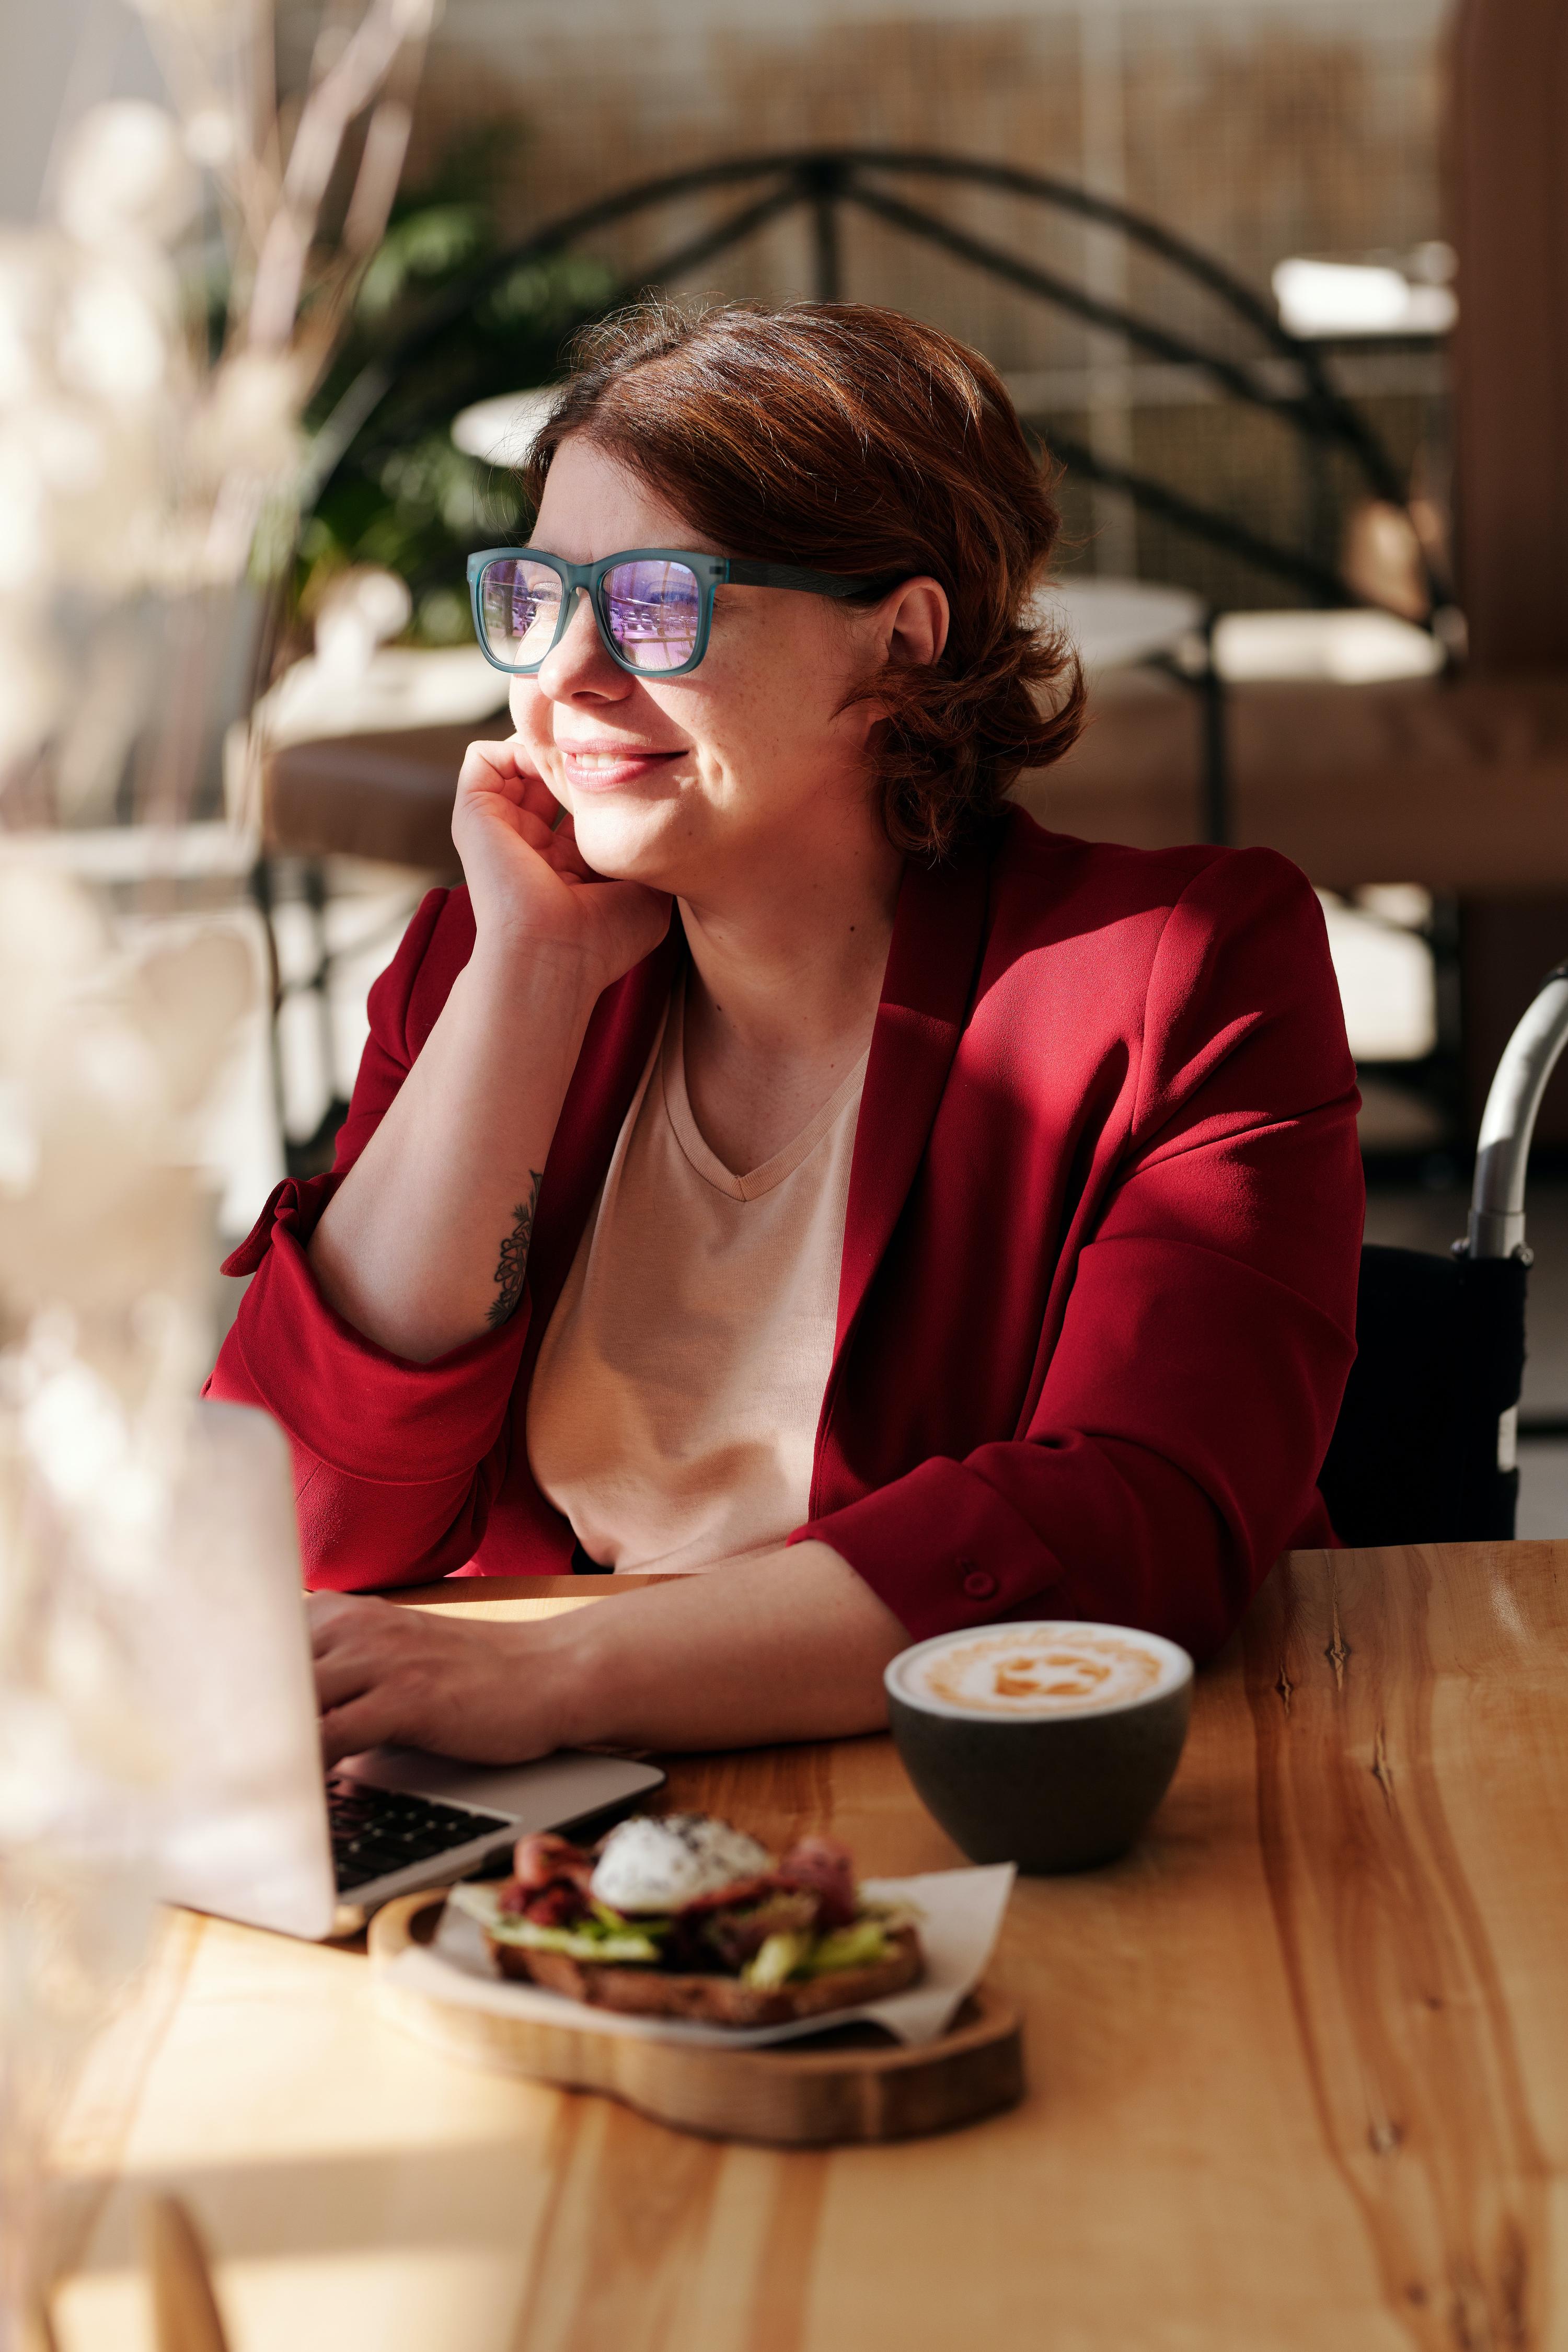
x,y
749,746
733,726
703,720
783,712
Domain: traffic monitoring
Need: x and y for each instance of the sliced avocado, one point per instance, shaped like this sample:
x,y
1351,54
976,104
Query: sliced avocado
x,y
587,1941
777,1960
860,1946
617,1924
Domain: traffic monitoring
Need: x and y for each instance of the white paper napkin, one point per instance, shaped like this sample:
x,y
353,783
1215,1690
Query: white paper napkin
x,y
959,1913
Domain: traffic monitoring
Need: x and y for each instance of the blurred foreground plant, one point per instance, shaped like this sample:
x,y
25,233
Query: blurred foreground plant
x,y
145,447
150,460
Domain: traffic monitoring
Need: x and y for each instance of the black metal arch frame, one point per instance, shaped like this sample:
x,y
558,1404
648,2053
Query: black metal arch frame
x,y
822,182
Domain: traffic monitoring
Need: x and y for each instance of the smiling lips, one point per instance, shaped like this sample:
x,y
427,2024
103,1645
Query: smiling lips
x,y
600,767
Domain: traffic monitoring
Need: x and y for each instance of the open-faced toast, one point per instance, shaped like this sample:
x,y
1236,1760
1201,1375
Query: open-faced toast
x,y
686,1917
717,1999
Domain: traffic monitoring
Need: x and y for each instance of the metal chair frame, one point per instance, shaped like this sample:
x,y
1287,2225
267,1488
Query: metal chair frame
x,y
1282,376
1507,1124
1496,1227
823,182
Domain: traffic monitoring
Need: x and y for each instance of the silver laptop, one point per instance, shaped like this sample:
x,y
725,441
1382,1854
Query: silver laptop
x,y
255,1831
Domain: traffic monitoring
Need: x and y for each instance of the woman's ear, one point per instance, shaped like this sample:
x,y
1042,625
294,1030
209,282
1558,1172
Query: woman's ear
x,y
915,618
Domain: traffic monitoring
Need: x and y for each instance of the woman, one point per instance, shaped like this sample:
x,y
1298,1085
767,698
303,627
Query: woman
x,y
793,1162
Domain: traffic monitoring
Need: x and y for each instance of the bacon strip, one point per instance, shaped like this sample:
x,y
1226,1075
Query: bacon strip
x,y
551,1885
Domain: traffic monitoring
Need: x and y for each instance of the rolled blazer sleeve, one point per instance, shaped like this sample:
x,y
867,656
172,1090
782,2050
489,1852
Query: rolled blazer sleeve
x,y
396,1463
1172,1449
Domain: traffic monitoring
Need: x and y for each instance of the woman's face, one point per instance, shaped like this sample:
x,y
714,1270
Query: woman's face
x,y
685,783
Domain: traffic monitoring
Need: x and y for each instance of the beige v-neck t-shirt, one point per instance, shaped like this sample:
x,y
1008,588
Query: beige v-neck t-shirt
x,y
674,1406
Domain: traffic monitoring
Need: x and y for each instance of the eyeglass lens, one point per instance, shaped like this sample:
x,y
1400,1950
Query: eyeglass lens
x,y
520,602
653,608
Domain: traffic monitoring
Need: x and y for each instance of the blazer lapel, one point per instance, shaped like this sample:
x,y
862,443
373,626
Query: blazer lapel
x,y
938,931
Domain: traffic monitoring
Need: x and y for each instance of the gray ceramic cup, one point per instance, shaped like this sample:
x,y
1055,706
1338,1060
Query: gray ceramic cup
x,y
1050,1783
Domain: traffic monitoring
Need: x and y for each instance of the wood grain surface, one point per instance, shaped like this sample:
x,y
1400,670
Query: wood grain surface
x,y
1297,2066
1392,1952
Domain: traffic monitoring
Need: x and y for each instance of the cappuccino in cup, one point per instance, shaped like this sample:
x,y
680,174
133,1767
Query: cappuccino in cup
x,y
1019,1671
1049,1745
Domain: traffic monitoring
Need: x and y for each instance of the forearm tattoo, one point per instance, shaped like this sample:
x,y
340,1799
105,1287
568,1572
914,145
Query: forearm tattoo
x,y
513,1263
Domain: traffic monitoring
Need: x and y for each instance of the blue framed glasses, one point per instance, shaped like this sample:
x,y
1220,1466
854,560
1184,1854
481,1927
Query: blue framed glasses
x,y
654,605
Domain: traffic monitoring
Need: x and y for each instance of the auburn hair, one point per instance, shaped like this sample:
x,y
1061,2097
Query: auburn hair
x,y
852,439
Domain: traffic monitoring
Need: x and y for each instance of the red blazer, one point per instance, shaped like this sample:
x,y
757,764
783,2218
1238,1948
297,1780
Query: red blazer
x,y
1098,1297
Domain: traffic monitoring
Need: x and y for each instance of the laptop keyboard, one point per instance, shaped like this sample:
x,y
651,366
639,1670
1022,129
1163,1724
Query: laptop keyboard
x,y
377,1831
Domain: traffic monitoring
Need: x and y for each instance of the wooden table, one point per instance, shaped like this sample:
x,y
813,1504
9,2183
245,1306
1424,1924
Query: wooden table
x,y
1299,2067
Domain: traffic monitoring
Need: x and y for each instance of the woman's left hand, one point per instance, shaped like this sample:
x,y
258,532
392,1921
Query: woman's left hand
x,y
388,1673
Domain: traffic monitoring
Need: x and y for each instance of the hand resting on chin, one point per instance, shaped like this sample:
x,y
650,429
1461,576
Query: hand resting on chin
x,y
785,1644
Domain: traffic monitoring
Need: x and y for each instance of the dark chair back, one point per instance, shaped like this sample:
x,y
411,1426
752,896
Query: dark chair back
x,y
1423,1451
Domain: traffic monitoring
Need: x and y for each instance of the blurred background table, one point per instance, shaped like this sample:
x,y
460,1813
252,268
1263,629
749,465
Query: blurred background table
x,y
1297,2067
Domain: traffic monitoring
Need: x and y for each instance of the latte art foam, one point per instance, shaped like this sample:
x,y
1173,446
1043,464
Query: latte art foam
x,y
1068,1672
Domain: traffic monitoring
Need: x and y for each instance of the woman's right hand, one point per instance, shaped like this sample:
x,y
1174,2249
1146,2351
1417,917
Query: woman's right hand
x,y
530,884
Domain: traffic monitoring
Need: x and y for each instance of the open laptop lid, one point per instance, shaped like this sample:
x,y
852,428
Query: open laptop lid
x,y
245,1833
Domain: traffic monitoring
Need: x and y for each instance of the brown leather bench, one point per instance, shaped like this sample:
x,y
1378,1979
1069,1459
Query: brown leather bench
x,y
1461,785
384,797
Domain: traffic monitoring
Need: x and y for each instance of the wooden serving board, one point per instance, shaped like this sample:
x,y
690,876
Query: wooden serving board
x,y
847,2082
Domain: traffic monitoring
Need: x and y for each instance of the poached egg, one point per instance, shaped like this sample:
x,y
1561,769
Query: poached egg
x,y
648,1865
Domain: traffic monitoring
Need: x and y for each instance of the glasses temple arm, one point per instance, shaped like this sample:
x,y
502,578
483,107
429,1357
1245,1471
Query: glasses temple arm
x,y
811,584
